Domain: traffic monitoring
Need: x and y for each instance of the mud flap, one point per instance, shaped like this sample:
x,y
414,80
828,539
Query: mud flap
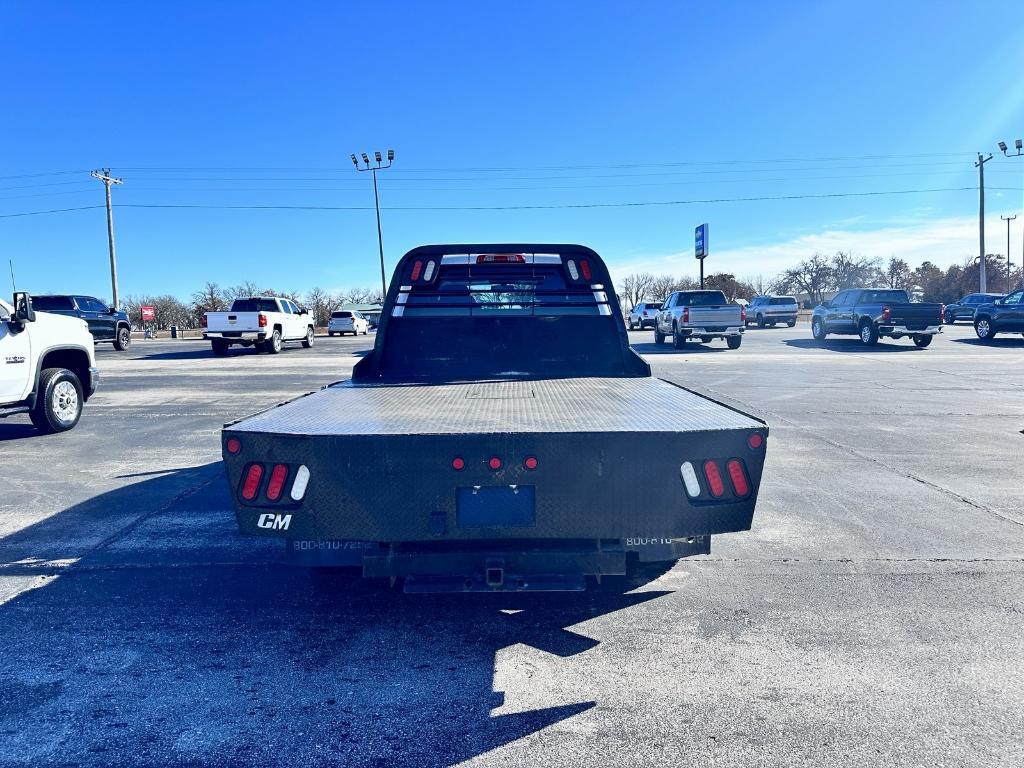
x,y
650,550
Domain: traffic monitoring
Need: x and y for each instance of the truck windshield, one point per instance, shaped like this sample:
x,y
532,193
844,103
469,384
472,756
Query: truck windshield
x,y
703,299
880,297
254,305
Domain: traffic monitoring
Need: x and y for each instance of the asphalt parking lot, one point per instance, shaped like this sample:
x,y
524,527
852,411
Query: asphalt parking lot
x,y
873,616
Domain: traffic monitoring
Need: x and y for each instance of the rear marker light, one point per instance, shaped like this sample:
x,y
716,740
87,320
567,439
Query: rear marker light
x,y
738,477
276,485
458,463
300,483
263,320
253,475
530,462
501,258
585,268
417,267
428,273
714,478
573,272
494,463
234,445
755,441
689,479
743,314
686,314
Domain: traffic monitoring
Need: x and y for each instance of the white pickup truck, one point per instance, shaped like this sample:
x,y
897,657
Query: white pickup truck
x,y
47,365
266,322
701,316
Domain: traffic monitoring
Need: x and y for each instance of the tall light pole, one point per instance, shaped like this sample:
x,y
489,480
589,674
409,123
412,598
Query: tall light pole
x,y
1019,146
980,165
1008,219
376,201
108,180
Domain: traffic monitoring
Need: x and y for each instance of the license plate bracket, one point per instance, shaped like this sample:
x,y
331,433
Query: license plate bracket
x,y
496,506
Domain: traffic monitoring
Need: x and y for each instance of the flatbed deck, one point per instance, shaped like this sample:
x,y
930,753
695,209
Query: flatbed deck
x,y
553,405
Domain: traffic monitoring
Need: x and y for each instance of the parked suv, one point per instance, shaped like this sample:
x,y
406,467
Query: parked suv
x,y
105,323
343,321
769,310
1005,315
964,309
644,315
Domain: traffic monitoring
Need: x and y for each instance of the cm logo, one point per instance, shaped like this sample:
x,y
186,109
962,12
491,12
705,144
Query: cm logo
x,y
274,521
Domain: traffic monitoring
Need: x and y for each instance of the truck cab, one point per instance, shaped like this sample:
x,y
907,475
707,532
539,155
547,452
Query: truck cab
x,y
47,365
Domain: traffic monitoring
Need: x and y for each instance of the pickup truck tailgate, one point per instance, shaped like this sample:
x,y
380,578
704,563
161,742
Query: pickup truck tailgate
x,y
232,321
382,461
708,317
914,316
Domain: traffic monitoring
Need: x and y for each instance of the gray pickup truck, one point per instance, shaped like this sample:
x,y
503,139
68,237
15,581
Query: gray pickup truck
x,y
700,316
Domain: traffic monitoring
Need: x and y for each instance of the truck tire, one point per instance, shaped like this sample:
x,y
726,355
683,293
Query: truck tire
x,y
219,346
679,342
273,344
659,337
734,341
922,341
58,401
122,339
983,328
868,334
308,341
818,329
791,323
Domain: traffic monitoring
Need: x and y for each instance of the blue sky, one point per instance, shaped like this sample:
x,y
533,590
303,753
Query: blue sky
x,y
243,104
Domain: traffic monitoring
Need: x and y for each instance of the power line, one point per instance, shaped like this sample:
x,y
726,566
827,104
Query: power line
x,y
52,210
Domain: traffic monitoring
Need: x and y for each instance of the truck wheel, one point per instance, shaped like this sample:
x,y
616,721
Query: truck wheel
x,y
791,323
869,334
984,329
818,329
679,342
58,401
659,337
308,341
220,347
922,341
273,344
123,339
734,342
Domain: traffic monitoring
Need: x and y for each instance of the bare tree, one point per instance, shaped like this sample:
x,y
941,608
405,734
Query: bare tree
x,y
759,283
244,290
210,299
813,277
635,288
318,302
661,287
852,271
897,273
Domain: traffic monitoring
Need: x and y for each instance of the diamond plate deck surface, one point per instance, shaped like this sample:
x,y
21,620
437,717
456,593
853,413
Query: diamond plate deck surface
x,y
553,405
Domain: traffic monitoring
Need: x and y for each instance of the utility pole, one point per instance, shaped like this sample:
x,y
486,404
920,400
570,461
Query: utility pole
x,y
1008,219
1019,146
980,165
108,180
376,201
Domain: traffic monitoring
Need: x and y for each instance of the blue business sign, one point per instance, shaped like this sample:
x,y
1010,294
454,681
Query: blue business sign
x,y
700,241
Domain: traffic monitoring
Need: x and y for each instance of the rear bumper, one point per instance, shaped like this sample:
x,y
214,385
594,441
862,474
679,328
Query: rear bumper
x,y
714,333
902,330
235,335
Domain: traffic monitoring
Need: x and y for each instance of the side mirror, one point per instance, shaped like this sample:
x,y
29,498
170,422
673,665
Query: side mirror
x,y
23,312
111,310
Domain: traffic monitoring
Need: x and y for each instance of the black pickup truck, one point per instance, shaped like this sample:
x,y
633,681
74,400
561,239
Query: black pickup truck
x,y
873,312
488,440
105,323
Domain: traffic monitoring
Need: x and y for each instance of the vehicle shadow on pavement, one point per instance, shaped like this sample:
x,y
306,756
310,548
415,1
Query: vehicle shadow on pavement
x,y
998,341
177,641
197,354
17,431
853,345
650,348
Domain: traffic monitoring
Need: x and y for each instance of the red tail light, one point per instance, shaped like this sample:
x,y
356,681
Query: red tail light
x,y
417,267
738,477
755,441
500,258
885,314
494,463
204,322
585,268
263,320
276,485
686,314
234,445
743,314
251,486
530,462
714,478
458,463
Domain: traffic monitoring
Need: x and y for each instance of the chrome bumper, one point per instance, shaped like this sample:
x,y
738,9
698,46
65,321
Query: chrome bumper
x,y
902,330
731,330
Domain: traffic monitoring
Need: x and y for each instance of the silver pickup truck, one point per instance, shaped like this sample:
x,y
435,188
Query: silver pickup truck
x,y
701,316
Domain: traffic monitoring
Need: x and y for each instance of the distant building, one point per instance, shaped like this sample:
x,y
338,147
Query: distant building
x,y
370,311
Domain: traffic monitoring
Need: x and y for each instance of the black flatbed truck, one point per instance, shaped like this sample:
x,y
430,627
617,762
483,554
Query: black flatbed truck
x,y
489,440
